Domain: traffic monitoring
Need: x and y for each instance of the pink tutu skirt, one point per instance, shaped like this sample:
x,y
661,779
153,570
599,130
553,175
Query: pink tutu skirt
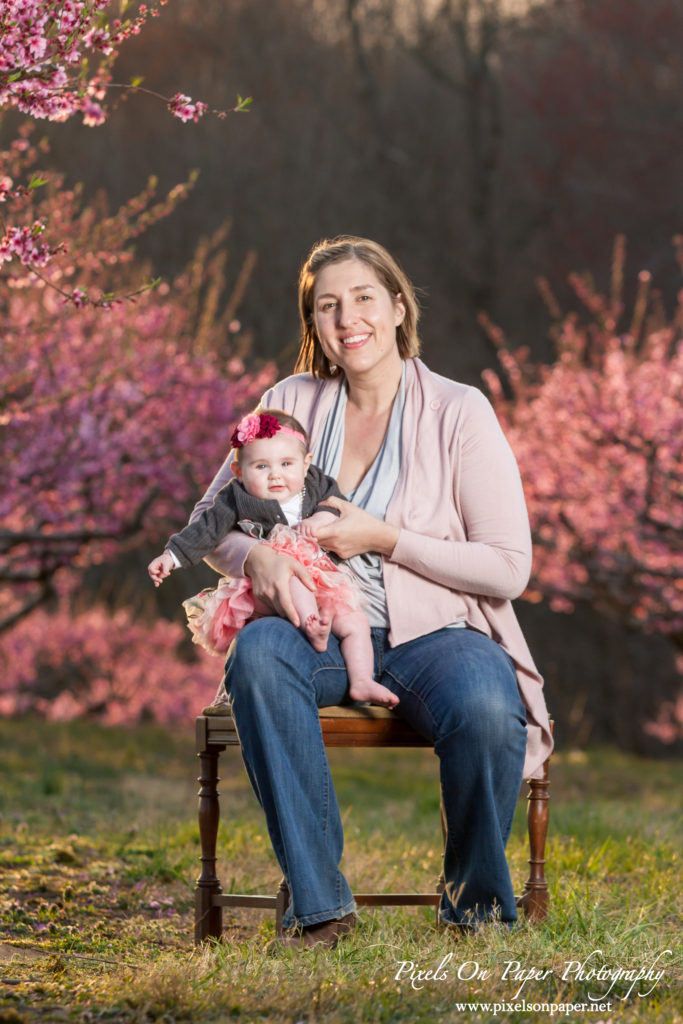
x,y
216,616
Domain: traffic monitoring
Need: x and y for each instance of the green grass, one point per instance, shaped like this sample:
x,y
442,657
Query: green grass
x,y
99,853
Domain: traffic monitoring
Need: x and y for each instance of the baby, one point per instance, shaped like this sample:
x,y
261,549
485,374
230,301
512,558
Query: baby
x,y
275,495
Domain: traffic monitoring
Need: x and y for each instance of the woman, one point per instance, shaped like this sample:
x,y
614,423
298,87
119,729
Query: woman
x,y
437,528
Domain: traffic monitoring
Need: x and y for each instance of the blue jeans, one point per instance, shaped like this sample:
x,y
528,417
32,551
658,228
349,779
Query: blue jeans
x,y
457,687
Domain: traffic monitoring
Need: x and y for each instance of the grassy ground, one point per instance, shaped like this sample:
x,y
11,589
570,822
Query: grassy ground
x,y
98,856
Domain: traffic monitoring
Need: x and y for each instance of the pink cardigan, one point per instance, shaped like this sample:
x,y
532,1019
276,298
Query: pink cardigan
x,y
464,531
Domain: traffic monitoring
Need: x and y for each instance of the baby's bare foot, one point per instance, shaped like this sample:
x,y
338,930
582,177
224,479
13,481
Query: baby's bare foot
x,y
317,629
374,692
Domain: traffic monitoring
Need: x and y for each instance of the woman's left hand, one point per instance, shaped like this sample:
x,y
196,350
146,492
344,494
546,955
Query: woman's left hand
x,y
355,531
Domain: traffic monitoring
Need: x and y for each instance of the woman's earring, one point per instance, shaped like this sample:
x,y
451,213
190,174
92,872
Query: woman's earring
x,y
333,368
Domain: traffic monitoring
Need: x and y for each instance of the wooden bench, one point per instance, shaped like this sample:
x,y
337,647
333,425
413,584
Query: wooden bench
x,y
341,727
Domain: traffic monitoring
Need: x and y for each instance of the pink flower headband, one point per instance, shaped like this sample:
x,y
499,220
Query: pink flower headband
x,y
258,425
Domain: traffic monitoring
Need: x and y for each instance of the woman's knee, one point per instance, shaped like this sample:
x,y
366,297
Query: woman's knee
x,y
497,717
491,733
478,699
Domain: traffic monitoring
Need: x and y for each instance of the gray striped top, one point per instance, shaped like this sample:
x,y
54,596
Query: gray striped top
x,y
373,493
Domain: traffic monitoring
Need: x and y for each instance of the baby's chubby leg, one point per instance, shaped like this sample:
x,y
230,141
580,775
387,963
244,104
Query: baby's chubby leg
x,y
315,625
353,632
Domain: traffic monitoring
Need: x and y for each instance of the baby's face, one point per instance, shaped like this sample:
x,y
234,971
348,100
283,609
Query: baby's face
x,y
273,467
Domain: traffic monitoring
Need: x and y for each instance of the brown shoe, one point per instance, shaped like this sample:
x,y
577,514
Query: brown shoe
x,y
458,931
326,934
220,709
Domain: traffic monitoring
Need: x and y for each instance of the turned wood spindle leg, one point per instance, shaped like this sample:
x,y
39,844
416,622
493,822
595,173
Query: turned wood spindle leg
x,y
441,884
281,905
535,897
208,918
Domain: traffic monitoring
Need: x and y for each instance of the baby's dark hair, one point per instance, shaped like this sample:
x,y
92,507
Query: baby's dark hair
x,y
284,420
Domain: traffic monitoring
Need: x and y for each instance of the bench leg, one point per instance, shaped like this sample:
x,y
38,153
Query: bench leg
x,y
208,920
281,905
441,884
534,899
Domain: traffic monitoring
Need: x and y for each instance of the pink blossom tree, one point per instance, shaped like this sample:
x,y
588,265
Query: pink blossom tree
x,y
56,59
56,56
101,663
111,421
111,425
116,402
599,439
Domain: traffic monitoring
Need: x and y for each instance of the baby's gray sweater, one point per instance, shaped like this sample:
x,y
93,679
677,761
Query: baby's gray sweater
x,y
232,504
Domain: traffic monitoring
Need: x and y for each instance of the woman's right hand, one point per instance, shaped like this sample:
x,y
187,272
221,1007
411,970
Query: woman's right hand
x,y
271,573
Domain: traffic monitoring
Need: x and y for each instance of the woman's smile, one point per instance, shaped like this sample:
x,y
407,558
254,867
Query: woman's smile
x,y
355,341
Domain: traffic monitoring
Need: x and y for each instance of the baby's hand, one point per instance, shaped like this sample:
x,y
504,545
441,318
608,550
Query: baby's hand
x,y
309,527
306,529
161,567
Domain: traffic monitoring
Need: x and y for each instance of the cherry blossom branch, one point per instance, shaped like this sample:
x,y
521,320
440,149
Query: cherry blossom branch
x,y
46,47
71,540
25,610
182,106
80,298
25,245
13,538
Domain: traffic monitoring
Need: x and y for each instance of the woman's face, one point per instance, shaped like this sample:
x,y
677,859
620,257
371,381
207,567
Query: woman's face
x,y
356,318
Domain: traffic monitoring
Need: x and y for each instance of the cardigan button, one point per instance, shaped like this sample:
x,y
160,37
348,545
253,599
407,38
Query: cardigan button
x,y
435,404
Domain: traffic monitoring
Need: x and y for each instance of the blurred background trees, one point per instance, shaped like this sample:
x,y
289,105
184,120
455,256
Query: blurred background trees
x,y
599,439
487,143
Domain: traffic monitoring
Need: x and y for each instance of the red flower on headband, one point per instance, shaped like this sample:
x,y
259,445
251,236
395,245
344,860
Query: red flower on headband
x,y
253,427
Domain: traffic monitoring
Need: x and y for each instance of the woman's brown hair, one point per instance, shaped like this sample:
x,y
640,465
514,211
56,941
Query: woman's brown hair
x,y
348,247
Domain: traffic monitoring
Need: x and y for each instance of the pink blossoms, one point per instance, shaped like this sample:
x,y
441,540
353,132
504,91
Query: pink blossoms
x,y
46,51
